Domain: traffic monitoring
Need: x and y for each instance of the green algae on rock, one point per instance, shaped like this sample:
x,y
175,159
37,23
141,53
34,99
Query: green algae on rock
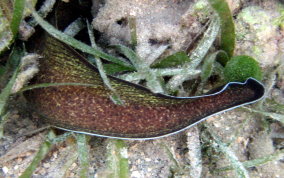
x,y
144,115
239,68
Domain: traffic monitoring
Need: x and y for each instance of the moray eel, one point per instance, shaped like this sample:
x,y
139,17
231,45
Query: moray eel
x,y
144,115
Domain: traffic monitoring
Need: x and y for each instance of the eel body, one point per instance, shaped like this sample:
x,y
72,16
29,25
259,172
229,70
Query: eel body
x,y
144,115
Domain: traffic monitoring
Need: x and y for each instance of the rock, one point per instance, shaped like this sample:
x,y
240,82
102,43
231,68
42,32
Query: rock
x,y
158,23
257,35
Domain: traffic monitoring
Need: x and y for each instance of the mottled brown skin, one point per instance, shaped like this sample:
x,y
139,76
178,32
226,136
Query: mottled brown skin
x,y
143,115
